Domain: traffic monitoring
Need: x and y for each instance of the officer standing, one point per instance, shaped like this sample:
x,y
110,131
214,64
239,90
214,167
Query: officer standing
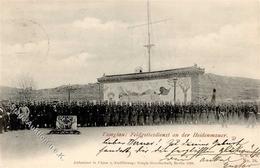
x,y
156,116
251,117
13,117
125,115
211,115
25,113
2,119
107,116
140,117
223,117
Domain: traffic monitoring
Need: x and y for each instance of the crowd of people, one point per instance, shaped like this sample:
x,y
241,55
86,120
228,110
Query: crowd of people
x,y
89,114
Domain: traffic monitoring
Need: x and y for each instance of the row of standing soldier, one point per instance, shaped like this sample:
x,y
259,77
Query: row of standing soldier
x,y
44,114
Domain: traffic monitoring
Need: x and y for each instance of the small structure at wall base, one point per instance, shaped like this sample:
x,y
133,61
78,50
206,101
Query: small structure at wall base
x,y
65,124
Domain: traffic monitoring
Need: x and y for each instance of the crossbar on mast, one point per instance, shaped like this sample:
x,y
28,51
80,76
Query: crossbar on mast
x,y
149,23
148,45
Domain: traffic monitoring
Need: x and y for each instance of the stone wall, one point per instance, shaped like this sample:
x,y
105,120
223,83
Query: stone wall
x,y
148,90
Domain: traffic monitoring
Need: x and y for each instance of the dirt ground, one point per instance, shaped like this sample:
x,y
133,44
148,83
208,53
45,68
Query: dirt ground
x,y
25,149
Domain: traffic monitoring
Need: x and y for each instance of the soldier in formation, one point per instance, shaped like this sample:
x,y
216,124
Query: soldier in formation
x,y
89,114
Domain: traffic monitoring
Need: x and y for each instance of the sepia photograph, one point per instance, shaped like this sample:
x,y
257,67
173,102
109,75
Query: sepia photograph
x,y
130,83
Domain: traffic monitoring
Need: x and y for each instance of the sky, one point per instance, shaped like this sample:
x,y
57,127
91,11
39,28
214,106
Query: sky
x,y
74,42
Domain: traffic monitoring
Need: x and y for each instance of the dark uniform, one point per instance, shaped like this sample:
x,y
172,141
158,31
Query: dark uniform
x,y
251,117
49,115
125,116
141,117
187,115
179,114
211,115
204,116
3,121
223,117
13,118
156,116
134,116
196,115
107,116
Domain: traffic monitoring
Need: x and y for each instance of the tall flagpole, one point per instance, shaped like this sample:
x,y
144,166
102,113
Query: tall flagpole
x,y
148,24
148,45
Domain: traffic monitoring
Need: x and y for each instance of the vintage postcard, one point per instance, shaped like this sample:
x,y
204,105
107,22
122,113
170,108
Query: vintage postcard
x,y
130,84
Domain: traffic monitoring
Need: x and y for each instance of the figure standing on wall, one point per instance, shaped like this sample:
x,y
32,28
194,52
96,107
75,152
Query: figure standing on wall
x,y
213,99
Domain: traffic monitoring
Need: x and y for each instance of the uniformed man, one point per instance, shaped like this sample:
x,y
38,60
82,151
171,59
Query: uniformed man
x,y
45,114
223,117
140,117
257,111
97,115
204,114
187,115
24,113
13,117
54,116
241,113
85,114
150,115
33,113
91,110
251,117
196,114
3,122
235,114
163,113
180,114
211,115
107,116
49,115
125,115
156,116
176,113
116,115
133,116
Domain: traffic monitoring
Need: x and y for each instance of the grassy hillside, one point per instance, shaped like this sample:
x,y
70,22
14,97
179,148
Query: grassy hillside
x,y
8,93
229,88
78,93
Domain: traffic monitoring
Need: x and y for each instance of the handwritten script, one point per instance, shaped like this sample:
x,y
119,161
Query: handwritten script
x,y
231,152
